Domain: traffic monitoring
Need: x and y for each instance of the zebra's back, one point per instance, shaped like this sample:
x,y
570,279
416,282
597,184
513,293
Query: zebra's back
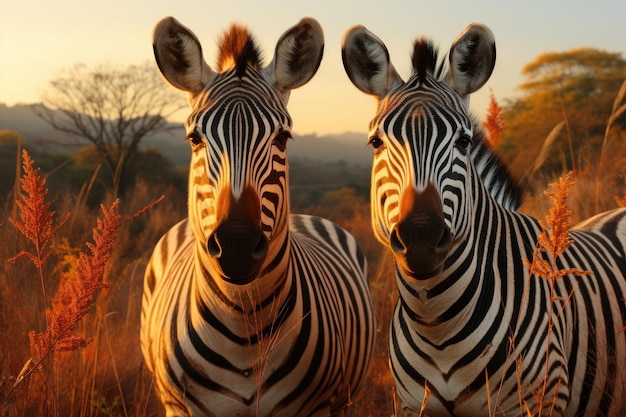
x,y
308,362
597,360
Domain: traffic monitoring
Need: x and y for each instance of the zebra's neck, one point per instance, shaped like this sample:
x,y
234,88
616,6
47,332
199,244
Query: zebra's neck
x,y
470,289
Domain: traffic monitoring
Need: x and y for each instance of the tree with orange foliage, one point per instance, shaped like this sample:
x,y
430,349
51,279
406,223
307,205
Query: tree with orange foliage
x,y
577,87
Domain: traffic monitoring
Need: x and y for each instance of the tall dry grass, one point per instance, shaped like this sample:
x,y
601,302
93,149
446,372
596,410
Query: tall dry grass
x,y
599,173
107,377
70,291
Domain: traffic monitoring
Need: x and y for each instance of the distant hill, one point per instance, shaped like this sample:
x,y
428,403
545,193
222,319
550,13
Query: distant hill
x,y
349,146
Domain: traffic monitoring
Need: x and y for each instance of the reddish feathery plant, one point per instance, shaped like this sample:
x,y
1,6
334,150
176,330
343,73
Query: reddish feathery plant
x,y
79,284
36,221
494,121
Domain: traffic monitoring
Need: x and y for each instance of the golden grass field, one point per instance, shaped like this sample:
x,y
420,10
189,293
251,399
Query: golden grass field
x,y
68,352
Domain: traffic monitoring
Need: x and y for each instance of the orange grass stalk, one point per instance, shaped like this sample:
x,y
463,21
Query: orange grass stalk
x,y
494,121
554,237
77,289
553,240
425,399
79,284
36,221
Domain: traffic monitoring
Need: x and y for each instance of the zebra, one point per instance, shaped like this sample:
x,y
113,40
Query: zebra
x,y
249,310
474,333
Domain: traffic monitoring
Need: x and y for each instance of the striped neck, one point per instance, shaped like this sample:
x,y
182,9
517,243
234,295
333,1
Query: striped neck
x,y
458,297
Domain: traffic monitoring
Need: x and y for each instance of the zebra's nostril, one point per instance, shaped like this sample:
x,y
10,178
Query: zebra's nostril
x,y
445,242
214,247
396,243
260,250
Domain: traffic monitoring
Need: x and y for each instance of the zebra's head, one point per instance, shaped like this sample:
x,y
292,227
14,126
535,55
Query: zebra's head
x,y
422,137
238,129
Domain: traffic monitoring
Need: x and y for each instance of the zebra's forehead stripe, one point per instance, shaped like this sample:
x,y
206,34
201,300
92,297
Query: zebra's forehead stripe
x,y
236,124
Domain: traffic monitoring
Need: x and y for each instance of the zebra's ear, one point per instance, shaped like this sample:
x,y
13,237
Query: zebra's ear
x,y
179,56
472,58
297,56
366,61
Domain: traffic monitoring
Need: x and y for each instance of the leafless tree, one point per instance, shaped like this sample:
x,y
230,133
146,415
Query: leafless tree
x,y
111,107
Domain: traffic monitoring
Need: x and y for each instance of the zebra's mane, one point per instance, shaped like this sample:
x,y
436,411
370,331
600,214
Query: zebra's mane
x,y
237,49
425,60
494,173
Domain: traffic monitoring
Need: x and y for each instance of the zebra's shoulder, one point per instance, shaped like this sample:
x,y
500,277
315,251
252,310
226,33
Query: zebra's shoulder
x,y
177,235
317,227
608,229
312,230
613,222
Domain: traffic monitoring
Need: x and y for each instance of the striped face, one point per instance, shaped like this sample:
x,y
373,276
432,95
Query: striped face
x,y
238,174
238,129
421,137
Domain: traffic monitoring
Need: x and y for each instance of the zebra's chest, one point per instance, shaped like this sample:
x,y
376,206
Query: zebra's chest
x,y
241,364
446,362
227,371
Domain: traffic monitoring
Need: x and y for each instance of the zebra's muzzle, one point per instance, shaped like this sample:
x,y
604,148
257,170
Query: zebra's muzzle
x,y
238,245
239,255
421,240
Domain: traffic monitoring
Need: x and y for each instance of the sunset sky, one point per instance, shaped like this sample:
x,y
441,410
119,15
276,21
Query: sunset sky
x,y
38,39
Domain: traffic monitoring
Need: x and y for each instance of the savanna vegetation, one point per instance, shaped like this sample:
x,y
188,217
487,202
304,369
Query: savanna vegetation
x,y
69,346
111,108
569,117
97,368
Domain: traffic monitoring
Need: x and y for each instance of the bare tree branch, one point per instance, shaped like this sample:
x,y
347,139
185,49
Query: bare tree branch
x,y
112,108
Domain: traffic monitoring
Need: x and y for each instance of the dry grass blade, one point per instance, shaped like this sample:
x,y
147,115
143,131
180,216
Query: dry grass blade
x,y
618,110
425,399
545,150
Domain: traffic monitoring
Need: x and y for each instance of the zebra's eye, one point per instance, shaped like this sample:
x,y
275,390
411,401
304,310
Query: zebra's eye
x,y
281,139
376,142
195,138
463,144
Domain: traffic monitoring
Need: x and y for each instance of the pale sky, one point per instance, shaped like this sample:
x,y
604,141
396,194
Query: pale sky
x,y
38,39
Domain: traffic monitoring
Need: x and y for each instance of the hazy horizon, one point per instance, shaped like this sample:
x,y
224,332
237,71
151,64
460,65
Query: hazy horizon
x,y
37,43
